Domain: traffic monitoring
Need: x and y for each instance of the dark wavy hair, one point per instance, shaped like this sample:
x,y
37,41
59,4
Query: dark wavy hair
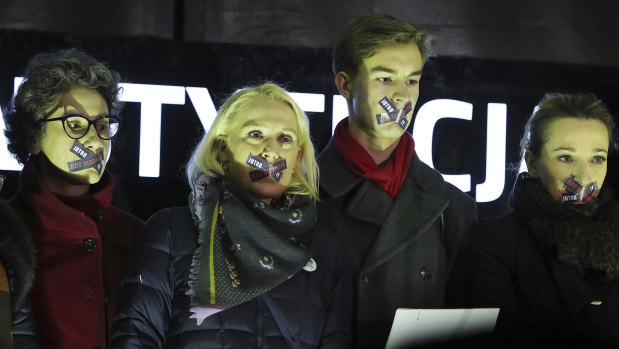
x,y
46,77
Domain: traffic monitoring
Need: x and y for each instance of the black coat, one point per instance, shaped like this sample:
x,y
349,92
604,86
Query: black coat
x,y
16,256
544,302
153,308
415,239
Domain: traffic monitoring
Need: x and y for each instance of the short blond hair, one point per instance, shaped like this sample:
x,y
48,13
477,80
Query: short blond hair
x,y
206,156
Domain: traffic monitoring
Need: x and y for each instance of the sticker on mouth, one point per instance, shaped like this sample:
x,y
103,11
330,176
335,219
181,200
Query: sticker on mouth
x,y
392,113
88,159
264,169
578,193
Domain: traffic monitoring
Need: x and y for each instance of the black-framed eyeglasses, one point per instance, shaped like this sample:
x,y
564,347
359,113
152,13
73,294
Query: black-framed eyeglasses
x,y
77,126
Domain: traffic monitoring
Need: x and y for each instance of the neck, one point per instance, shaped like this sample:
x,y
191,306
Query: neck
x,y
58,181
380,149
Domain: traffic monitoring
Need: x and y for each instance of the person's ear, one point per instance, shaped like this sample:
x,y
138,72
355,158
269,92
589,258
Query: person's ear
x,y
343,83
531,161
34,145
221,147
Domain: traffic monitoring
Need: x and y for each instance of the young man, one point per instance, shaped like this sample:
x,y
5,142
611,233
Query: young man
x,y
402,223
60,126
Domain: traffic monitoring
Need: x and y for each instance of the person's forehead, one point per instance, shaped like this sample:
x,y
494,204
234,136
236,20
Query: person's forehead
x,y
394,54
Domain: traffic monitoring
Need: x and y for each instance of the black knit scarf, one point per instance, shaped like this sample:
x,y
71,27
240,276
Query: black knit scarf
x,y
246,247
585,236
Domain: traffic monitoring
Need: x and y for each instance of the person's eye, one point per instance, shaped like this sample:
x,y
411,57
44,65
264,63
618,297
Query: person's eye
x,y
254,134
286,138
75,124
598,159
412,82
565,158
384,79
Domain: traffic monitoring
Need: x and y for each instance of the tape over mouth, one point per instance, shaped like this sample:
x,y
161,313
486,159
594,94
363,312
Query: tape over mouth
x,y
265,169
87,159
577,192
392,113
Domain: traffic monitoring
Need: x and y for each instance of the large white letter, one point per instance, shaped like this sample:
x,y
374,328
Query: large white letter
x,y
492,188
340,111
423,132
7,161
151,97
203,104
309,102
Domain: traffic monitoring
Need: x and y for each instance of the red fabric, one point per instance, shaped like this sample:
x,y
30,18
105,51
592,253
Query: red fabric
x,y
391,175
71,284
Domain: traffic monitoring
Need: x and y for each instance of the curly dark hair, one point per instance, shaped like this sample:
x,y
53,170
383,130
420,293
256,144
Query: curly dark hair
x,y
47,76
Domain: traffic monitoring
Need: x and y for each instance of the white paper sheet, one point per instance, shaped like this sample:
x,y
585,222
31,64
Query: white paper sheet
x,y
422,326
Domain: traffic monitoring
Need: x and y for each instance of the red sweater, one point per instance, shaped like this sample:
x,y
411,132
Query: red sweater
x,y
81,245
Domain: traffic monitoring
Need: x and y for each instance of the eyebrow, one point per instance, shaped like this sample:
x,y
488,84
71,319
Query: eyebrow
x,y
251,123
383,69
596,150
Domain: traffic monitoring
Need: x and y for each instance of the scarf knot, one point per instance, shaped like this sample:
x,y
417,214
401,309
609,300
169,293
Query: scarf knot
x,y
390,175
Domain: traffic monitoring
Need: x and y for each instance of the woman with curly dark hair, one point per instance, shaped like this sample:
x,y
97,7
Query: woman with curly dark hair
x,y
60,125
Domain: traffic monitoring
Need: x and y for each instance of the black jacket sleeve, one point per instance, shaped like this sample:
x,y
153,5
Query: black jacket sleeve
x,y
145,297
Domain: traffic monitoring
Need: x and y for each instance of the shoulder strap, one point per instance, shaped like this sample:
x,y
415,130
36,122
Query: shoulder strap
x,y
281,323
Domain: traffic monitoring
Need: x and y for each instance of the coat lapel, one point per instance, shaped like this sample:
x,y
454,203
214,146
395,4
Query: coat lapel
x,y
411,215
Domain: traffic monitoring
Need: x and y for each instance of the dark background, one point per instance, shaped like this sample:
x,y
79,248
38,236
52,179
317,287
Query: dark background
x,y
477,63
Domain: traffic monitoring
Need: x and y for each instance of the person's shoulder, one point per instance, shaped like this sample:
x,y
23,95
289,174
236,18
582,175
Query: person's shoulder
x,y
432,181
124,215
505,228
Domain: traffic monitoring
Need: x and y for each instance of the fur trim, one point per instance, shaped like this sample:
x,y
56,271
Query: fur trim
x,y
16,254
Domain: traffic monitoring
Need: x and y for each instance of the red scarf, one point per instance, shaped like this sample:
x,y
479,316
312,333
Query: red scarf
x,y
393,172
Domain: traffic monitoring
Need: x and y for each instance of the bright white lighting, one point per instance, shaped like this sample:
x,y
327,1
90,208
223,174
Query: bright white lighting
x,y
309,102
423,132
7,161
492,188
203,104
151,97
340,111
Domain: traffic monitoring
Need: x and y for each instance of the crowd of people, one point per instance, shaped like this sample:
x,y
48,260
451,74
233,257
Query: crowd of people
x,y
280,247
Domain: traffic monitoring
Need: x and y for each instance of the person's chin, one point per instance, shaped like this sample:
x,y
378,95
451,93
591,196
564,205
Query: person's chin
x,y
267,188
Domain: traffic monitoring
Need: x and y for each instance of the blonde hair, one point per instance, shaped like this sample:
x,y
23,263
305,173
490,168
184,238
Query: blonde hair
x,y
206,157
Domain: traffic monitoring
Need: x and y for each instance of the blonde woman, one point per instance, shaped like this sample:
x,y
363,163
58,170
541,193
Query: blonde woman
x,y
243,266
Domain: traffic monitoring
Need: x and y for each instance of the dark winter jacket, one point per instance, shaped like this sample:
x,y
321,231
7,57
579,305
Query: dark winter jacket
x,y
153,309
81,245
414,239
16,256
544,303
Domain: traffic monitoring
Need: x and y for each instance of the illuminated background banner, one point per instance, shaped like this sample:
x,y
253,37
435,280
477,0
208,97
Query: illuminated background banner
x,y
467,124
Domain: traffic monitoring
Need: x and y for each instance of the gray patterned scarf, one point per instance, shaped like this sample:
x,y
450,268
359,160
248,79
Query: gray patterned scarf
x,y
245,246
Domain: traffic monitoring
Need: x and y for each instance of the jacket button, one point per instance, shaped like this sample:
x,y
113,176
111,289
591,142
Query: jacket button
x,y
365,279
89,244
97,216
426,274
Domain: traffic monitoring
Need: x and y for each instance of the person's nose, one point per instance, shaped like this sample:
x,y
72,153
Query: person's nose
x,y
400,94
582,173
271,149
91,139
